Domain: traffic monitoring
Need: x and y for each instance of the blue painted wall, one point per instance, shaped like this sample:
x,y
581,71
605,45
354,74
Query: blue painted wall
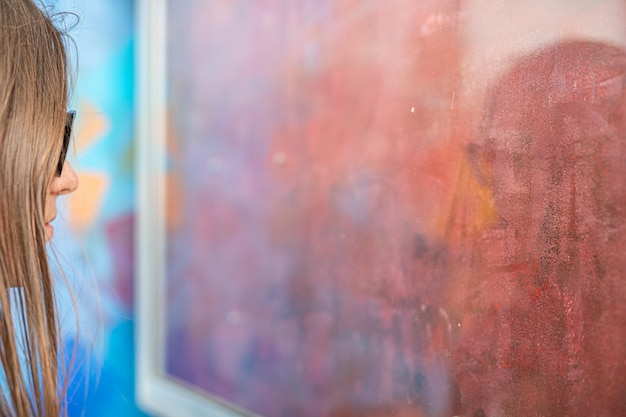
x,y
94,240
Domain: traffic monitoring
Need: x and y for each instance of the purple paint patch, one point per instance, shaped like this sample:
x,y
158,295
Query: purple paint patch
x,y
120,235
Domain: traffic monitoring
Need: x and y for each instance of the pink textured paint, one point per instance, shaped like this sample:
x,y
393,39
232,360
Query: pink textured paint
x,y
350,245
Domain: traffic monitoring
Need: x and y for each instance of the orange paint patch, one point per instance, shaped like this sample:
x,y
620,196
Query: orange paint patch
x,y
86,202
471,206
92,125
173,204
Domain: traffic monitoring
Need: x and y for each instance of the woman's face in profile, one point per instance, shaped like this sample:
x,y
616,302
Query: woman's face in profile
x,y
66,183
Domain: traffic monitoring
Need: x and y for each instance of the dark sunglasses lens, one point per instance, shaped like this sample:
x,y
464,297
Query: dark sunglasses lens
x,y
69,122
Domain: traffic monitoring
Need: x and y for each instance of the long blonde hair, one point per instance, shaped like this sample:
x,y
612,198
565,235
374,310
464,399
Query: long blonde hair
x,y
33,103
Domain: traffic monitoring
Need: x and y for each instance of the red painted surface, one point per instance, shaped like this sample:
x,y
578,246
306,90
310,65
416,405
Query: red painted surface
x,y
546,331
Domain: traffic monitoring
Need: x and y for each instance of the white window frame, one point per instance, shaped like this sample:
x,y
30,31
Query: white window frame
x,y
157,392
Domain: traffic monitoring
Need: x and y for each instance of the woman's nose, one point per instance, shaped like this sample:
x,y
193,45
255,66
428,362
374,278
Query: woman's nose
x,y
66,183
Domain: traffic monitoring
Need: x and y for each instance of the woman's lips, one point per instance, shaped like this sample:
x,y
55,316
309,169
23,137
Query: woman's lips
x,y
49,230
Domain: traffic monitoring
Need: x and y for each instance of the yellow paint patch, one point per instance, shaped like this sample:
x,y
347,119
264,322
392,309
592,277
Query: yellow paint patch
x,y
86,202
472,208
92,124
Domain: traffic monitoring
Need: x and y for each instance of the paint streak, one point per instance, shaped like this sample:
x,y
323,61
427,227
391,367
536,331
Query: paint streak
x,y
120,235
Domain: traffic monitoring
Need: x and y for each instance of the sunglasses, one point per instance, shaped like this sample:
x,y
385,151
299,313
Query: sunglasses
x,y
69,122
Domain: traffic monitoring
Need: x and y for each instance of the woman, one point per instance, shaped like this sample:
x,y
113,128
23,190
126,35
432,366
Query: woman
x,y
33,117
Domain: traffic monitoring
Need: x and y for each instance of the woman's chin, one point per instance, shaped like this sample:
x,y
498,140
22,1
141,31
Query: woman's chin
x,y
49,231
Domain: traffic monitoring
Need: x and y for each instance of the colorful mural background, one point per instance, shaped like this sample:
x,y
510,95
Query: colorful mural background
x,y
94,239
384,208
